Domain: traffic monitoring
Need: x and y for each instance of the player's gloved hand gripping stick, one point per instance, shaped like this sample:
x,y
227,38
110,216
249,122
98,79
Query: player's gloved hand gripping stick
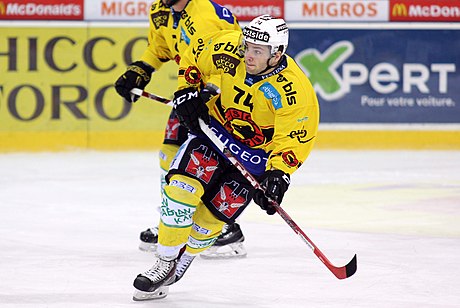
x,y
340,272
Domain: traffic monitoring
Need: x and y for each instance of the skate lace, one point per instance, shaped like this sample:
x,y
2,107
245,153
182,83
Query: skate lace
x,y
159,270
183,264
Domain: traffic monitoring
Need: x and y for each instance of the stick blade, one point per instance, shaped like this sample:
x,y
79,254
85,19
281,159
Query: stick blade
x,y
345,271
351,267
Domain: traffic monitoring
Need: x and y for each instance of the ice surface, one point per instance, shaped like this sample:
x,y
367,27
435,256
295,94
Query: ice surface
x,y
69,227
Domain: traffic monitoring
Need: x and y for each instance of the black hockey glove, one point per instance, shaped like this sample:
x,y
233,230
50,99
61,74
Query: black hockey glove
x,y
276,183
209,91
137,75
189,107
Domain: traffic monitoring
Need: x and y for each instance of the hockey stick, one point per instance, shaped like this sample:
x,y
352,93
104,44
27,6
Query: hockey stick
x,y
160,99
340,272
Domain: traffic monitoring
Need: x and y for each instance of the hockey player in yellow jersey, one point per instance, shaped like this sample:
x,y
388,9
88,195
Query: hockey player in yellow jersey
x,y
266,112
174,25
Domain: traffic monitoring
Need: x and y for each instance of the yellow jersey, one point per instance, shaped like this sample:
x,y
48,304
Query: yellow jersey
x,y
276,113
171,32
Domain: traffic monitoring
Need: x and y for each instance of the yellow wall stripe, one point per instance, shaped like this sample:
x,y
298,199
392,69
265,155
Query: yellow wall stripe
x,y
389,140
152,140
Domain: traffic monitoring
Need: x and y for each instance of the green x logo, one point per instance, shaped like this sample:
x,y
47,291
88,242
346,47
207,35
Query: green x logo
x,y
322,68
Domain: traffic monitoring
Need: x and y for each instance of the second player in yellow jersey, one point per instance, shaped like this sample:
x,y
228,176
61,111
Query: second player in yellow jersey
x,y
174,25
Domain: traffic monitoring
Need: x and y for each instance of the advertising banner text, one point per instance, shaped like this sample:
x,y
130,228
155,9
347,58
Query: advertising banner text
x,y
425,10
382,76
41,10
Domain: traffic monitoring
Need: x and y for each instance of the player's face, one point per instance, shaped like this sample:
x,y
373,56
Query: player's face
x,y
256,57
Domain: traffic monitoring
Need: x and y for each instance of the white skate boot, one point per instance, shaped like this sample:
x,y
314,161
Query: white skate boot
x,y
153,284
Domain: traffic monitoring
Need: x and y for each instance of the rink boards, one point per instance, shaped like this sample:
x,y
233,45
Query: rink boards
x,y
380,86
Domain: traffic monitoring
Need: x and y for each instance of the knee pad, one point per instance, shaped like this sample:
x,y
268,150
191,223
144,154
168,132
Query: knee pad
x,y
180,200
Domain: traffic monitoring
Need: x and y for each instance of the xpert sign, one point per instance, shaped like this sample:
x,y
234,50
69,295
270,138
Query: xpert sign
x,y
382,76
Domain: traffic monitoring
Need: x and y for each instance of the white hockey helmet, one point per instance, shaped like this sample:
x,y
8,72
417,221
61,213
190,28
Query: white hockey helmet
x,y
267,30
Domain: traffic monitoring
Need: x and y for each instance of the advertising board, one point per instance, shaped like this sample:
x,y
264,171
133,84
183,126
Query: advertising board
x,y
382,75
246,10
56,85
138,10
336,10
425,10
56,89
117,10
41,10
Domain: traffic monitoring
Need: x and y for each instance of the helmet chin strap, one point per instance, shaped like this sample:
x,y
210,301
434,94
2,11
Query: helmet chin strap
x,y
268,67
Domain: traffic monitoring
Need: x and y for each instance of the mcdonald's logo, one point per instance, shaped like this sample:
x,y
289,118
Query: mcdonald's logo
x,y
399,9
2,8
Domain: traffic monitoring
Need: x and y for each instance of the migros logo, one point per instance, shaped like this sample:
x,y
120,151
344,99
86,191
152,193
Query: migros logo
x,y
399,9
124,8
340,8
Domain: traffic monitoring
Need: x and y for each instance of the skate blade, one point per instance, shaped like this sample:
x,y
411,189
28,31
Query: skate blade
x,y
147,247
159,293
230,251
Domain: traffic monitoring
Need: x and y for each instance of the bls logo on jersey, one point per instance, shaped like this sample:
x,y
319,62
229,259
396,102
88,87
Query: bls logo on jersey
x,y
230,198
229,47
188,22
160,19
288,90
203,163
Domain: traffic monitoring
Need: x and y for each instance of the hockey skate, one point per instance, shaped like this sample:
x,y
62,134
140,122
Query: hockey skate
x,y
228,245
182,265
159,293
149,239
153,284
